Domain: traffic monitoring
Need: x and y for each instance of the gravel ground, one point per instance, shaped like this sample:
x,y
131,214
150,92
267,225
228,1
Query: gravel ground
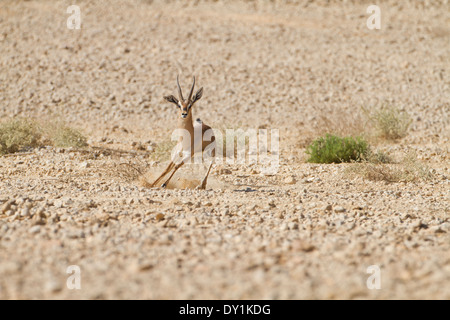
x,y
310,231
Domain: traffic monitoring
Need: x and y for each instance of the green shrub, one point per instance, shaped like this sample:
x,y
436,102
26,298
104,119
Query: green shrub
x,y
334,149
18,134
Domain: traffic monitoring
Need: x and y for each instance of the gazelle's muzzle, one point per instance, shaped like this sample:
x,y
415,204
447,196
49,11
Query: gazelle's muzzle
x,y
184,115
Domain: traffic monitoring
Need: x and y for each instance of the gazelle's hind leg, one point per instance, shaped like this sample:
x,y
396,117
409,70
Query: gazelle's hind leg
x,y
202,186
168,169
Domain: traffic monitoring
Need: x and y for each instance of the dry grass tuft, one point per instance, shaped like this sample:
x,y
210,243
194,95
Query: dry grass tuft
x,y
390,122
409,169
63,136
19,134
386,121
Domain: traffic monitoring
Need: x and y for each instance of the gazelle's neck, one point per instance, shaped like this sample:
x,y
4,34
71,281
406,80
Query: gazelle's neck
x,y
187,123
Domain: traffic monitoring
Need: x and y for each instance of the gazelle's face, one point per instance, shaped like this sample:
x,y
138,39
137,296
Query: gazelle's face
x,y
185,108
185,105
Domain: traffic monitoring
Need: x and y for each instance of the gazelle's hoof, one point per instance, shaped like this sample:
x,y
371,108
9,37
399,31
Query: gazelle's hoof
x,y
164,186
200,187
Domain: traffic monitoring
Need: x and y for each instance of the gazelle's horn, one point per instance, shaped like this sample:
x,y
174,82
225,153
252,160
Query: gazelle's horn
x,y
180,93
192,91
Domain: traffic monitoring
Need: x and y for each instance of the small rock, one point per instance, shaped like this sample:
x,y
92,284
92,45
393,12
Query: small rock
x,y
193,221
293,226
7,206
437,229
300,245
84,165
159,217
35,230
339,209
145,266
290,180
25,212
58,203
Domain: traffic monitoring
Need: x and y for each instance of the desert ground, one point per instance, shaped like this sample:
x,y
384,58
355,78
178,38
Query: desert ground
x,y
308,231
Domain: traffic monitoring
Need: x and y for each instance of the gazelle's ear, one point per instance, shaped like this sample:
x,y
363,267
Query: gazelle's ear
x,y
171,99
198,95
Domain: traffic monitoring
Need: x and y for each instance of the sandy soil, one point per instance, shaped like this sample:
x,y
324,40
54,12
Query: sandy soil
x,y
310,231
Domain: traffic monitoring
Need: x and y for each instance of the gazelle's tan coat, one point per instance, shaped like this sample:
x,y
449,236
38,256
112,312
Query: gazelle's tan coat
x,y
195,137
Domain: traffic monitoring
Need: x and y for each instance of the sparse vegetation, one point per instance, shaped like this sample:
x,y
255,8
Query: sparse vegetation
x,y
409,169
390,122
63,136
334,149
378,157
17,135
386,121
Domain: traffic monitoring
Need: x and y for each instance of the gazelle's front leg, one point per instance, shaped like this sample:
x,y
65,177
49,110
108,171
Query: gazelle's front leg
x,y
165,172
178,166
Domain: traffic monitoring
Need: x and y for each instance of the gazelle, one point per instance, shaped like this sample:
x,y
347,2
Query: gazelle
x,y
195,137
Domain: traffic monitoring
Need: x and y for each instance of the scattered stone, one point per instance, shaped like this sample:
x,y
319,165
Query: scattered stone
x,y
25,212
290,180
84,165
309,180
7,206
34,230
339,209
437,229
224,171
58,203
300,245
